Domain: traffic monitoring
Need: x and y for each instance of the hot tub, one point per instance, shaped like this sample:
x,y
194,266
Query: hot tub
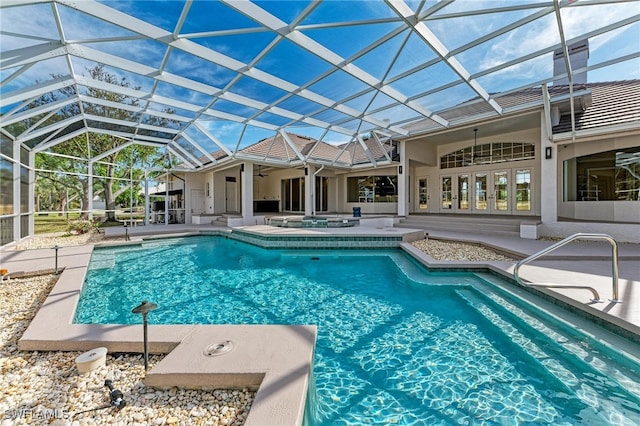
x,y
313,221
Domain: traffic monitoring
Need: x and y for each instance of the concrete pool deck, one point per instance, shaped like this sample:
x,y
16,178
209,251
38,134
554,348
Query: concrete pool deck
x,y
277,360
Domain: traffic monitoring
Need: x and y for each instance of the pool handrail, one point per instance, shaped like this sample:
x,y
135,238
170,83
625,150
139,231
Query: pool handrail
x,y
578,236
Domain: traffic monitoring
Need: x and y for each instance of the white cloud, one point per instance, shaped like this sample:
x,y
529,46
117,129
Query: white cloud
x,y
521,41
543,33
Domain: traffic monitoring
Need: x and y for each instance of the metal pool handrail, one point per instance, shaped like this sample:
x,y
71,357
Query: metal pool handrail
x,y
581,235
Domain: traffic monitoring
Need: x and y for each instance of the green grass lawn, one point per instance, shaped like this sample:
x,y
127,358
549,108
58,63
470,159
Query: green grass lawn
x,y
53,222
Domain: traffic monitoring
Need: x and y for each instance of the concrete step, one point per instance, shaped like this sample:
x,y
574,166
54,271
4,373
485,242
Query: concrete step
x,y
473,224
220,221
223,220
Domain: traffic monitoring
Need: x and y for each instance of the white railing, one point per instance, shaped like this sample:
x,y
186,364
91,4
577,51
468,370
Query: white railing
x,y
579,236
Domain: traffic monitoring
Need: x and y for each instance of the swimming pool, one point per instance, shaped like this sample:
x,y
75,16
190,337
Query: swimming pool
x,y
396,343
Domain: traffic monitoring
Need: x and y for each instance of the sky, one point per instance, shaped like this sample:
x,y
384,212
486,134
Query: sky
x,y
366,37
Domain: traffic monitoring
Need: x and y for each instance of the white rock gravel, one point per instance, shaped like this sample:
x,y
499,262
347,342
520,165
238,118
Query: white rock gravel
x,y
38,388
454,251
61,239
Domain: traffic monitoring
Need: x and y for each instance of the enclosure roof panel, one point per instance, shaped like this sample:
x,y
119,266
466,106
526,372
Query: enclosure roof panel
x,y
223,75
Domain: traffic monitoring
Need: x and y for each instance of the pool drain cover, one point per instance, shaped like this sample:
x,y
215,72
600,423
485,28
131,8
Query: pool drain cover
x,y
220,348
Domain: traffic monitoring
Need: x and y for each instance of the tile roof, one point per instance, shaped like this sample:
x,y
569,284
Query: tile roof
x,y
613,103
359,156
277,148
343,155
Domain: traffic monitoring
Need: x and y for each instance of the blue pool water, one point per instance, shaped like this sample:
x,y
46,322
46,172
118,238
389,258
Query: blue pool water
x,y
396,344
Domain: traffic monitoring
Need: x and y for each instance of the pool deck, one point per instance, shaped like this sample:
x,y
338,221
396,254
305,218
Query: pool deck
x,y
277,360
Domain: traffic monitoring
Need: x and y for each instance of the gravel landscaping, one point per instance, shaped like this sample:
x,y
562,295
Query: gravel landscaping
x,y
46,388
454,251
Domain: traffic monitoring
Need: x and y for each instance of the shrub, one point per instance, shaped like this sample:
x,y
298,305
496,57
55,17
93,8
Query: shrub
x,y
81,226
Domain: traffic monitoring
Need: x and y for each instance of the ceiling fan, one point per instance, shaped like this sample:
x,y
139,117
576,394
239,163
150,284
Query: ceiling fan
x,y
260,174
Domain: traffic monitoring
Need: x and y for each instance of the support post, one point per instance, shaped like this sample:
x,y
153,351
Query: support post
x,y
246,192
403,181
309,190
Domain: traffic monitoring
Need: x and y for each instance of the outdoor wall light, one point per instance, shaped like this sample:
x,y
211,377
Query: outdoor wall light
x,y
144,308
547,153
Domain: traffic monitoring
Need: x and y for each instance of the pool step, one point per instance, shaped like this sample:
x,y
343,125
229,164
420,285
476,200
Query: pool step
x,y
463,223
220,221
490,303
103,261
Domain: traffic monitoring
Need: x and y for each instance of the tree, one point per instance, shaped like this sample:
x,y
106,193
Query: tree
x,y
112,172
62,178
119,163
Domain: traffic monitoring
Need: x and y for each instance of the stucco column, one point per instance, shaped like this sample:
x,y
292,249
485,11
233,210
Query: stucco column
x,y
246,190
548,178
403,181
309,190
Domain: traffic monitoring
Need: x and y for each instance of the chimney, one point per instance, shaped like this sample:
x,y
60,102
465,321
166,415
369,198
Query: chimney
x,y
578,56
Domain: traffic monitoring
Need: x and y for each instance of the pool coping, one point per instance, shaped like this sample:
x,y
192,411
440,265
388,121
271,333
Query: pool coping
x,y
276,360
273,360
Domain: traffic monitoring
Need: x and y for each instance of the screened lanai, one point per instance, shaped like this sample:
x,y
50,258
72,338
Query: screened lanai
x,y
104,100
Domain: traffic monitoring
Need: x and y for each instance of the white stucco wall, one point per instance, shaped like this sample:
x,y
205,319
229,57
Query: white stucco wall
x,y
434,173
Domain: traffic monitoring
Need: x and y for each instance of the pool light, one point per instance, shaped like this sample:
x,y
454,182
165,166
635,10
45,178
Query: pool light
x,y
55,270
144,308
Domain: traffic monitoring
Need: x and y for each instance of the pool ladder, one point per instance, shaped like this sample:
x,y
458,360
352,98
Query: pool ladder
x,y
578,236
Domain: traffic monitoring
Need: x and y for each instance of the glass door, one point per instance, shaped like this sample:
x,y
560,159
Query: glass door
x,y
464,202
523,191
487,192
322,193
446,185
423,195
481,180
456,193
293,194
500,194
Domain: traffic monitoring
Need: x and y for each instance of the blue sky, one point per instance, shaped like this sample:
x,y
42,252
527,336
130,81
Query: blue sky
x,y
222,29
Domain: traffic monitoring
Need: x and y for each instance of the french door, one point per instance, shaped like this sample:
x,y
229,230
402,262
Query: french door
x,y
322,193
489,192
422,203
492,192
455,193
293,194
